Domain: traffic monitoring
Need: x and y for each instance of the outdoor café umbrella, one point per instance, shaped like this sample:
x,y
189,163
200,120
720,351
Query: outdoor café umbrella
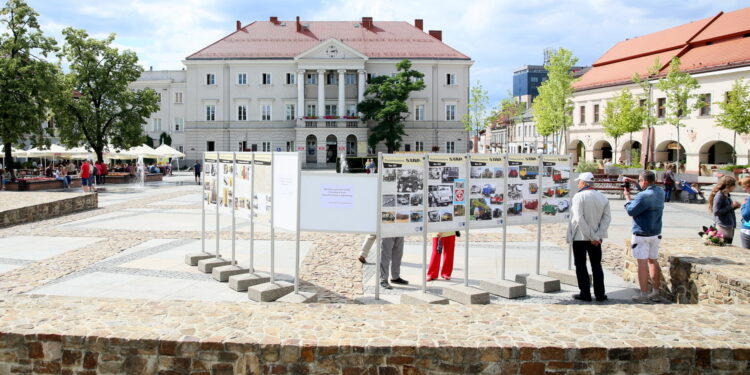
x,y
168,152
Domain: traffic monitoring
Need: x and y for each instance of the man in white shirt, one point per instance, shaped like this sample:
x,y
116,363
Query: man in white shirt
x,y
588,226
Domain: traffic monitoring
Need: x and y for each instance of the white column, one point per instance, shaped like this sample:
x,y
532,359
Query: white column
x,y
360,85
321,92
300,93
340,107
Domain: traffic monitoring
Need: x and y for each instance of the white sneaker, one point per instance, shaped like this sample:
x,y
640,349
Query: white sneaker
x,y
655,296
642,298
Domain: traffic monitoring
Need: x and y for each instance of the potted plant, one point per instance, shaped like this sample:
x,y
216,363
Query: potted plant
x,y
330,117
311,117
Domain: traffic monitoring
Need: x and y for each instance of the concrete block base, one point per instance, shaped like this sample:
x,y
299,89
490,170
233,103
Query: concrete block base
x,y
467,295
539,283
567,277
243,281
421,298
301,297
222,273
269,292
192,259
208,265
503,288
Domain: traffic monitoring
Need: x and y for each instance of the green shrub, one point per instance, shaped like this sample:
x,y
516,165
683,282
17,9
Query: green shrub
x,y
732,167
587,166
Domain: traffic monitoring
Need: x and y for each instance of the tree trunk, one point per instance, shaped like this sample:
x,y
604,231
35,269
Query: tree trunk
x,y
99,154
9,162
475,141
615,153
648,149
630,150
678,149
734,149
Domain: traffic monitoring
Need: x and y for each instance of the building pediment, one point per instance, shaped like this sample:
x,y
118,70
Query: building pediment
x,y
331,49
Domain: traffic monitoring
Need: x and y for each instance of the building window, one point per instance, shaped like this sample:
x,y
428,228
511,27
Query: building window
x,y
351,110
179,124
450,147
179,148
178,97
661,109
158,97
312,79
242,79
450,79
419,112
705,106
210,79
450,112
596,113
265,110
290,112
157,124
331,79
419,146
370,76
266,146
265,78
291,79
407,147
311,110
210,146
642,103
290,146
534,79
242,113
210,112
350,79
330,110
582,114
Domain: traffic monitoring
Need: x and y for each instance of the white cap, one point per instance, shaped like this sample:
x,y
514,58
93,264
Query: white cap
x,y
585,176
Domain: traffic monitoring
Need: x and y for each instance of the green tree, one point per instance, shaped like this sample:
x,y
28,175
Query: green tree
x,y
106,111
28,83
509,110
735,112
622,115
165,139
386,103
476,118
553,108
678,87
648,105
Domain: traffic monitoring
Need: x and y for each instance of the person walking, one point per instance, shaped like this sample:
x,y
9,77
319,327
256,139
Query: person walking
x,y
669,183
391,252
587,228
443,245
722,207
197,169
646,210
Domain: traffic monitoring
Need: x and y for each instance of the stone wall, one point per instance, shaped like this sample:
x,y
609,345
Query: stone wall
x,y
49,209
56,354
695,273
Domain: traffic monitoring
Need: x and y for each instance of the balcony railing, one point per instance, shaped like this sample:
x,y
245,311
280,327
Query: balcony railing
x,y
333,122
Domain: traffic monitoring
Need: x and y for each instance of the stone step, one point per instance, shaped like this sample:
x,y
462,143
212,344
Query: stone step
x,y
223,273
243,281
503,288
540,283
421,298
269,292
208,265
467,295
192,259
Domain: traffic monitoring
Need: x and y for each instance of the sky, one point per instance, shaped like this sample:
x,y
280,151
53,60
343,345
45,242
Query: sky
x,y
499,35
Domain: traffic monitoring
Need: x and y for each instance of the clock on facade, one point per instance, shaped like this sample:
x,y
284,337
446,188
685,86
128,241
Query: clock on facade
x,y
332,51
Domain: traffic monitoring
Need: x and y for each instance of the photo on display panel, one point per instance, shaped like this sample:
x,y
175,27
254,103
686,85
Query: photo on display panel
x,y
416,217
512,172
416,199
514,191
480,209
528,172
459,210
515,209
402,216
488,189
449,175
475,189
389,200
409,181
433,216
446,214
402,199
440,195
436,173
481,172
389,175
388,217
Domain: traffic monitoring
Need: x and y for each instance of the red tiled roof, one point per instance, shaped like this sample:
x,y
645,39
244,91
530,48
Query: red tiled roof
x,y
386,39
711,43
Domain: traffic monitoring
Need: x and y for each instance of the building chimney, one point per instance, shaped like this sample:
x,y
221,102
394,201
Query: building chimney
x,y
367,22
274,20
419,23
239,25
437,34
299,25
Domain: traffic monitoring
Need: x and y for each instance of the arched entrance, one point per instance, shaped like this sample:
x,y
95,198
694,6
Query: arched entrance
x,y
716,152
331,144
602,150
312,149
631,152
578,149
351,145
666,152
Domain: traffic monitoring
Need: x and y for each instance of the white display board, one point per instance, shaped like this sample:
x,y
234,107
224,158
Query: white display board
x,y
486,190
522,191
286,172
262,165
226,180
446,193
402,175
339,203
556,188
242,179
209,178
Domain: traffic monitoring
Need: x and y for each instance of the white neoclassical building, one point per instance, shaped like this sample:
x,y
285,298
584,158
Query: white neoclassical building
x,y
714,50
294,85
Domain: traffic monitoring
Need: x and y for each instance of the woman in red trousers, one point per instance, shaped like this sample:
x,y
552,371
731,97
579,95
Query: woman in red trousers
x,y
443,244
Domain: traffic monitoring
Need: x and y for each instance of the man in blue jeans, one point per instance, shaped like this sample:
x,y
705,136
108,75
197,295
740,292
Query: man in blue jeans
x,y
647,210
